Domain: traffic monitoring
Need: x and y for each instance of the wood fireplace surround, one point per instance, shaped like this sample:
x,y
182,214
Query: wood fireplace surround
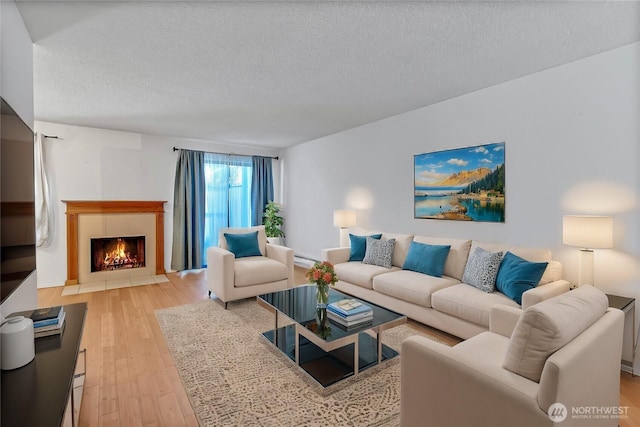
x,y
81,207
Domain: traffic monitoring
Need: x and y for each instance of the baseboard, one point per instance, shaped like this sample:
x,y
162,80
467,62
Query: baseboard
x,y
303,262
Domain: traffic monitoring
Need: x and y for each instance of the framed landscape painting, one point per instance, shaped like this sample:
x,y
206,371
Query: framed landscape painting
x,y
464,184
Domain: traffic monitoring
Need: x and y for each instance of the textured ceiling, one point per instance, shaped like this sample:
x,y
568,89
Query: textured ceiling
x,y
276,74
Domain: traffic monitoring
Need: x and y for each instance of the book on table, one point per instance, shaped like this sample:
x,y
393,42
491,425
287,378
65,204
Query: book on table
x,y
367,318
352,327
46,331
352,317
43,317
350,309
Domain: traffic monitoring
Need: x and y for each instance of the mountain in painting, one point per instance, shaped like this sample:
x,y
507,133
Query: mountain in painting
x,y
464,177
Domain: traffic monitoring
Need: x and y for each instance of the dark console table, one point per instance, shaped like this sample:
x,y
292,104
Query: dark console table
x,y
38,393
628,306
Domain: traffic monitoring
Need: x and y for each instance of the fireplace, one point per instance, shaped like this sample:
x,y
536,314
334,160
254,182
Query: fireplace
x,y
89,220
116,253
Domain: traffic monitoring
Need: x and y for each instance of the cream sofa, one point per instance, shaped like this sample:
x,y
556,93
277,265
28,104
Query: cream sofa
x,y
443,302
557,363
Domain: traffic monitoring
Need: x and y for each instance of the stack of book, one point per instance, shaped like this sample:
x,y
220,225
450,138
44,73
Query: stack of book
x,y
46,321
350,313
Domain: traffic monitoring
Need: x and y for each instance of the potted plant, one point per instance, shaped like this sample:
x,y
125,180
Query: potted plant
x,y
273,220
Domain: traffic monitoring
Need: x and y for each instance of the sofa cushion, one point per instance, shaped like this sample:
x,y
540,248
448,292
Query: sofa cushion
x,y
426,259
487,347
482,269
552,273
258,270
262,236
528,253
517,275
549,325
458,254
468,303
401,248
359,274
243,244
358,245
411,286
379,252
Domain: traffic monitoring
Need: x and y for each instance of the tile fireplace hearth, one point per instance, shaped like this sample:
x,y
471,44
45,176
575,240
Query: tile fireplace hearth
x,y
113,284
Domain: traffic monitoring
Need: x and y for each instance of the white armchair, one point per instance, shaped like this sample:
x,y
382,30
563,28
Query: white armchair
x,y
231,278
474,383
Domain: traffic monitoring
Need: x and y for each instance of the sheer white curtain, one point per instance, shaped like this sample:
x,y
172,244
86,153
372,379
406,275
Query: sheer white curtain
x,y
228,194
44,213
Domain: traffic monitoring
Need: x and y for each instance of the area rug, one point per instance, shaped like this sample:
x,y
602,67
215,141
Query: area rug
x,y
234,377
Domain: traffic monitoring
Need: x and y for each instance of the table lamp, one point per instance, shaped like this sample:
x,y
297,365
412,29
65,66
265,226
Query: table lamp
x,y
587,232
344,219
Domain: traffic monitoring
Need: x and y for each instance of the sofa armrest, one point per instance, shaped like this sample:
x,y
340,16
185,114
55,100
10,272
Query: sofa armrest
x,y
336,255
444,386
503,319
283,255
220,272
279,253
544,292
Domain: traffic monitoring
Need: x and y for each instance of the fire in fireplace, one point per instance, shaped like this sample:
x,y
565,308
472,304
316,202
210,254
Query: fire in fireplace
x,y
116,253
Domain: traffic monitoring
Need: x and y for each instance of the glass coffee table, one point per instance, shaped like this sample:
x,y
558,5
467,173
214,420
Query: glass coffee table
x,y
326,350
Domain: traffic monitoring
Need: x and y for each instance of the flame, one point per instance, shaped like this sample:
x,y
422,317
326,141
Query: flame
x,y
117,254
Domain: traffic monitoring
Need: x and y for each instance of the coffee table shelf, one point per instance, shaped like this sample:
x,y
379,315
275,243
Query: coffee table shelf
x,y
335,354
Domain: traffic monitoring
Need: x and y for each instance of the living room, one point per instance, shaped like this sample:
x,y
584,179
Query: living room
x,y
571,136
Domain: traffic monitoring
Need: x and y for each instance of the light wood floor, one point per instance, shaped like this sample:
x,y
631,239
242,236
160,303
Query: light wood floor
x,y
131,379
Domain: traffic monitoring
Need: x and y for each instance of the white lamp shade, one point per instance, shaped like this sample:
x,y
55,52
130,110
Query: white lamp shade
x,y
592,232
344,218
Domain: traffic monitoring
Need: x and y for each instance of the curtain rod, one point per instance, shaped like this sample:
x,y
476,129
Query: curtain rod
x,y
228,154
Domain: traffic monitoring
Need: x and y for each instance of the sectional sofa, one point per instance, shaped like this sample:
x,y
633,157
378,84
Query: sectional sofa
x,y
445,302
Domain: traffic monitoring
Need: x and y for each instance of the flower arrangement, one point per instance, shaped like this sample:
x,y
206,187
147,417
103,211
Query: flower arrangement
x,y
323,275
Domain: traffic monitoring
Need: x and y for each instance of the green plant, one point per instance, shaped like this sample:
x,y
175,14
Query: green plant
x,y
272,220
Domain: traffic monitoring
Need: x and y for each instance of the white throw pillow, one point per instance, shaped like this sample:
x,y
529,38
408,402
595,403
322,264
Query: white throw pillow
x,y
547,326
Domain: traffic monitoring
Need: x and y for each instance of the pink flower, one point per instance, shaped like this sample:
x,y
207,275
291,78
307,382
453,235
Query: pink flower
x,y
316,274
327,277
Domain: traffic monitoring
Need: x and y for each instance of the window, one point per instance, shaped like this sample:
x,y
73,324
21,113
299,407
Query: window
x,y
227,193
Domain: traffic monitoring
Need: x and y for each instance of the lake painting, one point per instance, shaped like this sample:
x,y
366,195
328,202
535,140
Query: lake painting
x,y
465,184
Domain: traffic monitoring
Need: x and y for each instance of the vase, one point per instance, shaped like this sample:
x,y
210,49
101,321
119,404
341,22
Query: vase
x,y
322,295
323,329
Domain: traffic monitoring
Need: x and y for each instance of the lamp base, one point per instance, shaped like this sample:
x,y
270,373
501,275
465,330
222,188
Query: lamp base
x,y
344,238
585,267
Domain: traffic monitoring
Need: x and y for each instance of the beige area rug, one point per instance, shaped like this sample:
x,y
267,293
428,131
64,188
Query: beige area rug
x,y
234,377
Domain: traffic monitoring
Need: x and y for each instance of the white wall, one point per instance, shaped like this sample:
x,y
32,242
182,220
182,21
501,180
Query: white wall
x,y
16,62
100,164
16,87
572,137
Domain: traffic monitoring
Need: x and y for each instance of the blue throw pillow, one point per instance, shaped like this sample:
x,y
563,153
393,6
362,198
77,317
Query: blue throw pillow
x,y
517,275
359,246
427,259
243,245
